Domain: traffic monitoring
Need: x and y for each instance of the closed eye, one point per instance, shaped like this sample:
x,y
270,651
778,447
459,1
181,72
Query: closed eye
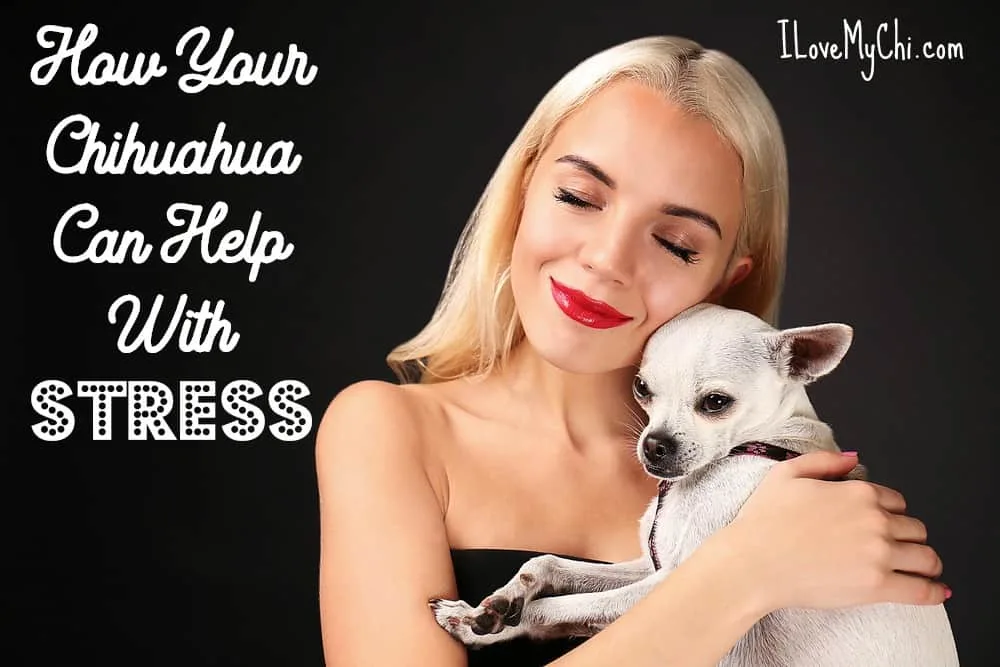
x,y
567,197
687,255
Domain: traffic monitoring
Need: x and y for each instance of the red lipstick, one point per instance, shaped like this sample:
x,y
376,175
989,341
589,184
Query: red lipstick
x,y
581,308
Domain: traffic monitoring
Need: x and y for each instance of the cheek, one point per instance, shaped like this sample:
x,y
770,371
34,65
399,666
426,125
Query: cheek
x,y
672,291
542,236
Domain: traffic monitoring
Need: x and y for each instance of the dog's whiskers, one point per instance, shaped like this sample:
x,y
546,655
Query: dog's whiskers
x,y
628,438
637,422
632,427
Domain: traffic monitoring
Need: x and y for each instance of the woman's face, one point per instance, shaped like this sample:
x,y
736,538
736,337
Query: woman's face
x,y
629,218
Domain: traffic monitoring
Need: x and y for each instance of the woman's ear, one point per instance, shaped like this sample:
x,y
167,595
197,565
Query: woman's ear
x,y
738,270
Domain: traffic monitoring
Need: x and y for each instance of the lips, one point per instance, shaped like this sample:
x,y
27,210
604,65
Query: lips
x,y
588,312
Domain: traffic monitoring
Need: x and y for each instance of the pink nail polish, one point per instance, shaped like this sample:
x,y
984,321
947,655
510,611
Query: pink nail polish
x,y
947,593
851,453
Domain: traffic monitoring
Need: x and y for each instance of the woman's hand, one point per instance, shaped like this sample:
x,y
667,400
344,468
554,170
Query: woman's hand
x,y
824,544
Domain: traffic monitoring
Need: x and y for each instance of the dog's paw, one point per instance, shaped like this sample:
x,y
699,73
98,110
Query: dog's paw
x,y
486,619
506,604
473,626
499,610
452,615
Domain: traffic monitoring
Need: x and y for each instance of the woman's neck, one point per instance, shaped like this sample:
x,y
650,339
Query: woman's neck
x,y
583,408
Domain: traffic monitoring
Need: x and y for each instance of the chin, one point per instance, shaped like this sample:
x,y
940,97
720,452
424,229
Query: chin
x,y
581,352
569,345
674,471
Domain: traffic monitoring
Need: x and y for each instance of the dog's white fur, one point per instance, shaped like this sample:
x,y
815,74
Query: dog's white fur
x,y
765,371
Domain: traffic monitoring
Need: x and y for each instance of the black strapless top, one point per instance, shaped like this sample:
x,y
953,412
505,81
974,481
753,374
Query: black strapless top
x,y
479,572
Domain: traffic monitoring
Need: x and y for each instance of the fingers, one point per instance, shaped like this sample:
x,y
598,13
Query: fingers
x,y
889,499
835,465
819,465
911,589
907,529
916,559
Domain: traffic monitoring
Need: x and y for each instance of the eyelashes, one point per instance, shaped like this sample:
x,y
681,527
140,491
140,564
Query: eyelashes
x,y
686,255
567,197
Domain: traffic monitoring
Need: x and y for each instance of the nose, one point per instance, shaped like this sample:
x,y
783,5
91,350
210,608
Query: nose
x,y
607,252
659,446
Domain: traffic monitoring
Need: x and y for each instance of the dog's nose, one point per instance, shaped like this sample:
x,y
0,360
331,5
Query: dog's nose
x,y
657,446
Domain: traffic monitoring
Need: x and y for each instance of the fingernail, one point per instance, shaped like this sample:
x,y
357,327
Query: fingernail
x,y
851,453
947,593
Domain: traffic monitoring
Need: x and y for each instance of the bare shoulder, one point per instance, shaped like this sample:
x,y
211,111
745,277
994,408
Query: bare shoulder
x,y
384,547
366,399
381,417
372,422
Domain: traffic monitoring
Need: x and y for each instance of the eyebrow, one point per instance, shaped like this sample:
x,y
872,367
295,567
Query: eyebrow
x,y
583,164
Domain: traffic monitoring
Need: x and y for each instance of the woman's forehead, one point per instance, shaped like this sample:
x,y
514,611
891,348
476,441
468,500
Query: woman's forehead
x,y
649,146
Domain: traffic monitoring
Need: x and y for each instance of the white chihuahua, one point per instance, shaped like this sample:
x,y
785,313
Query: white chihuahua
x,y
726,398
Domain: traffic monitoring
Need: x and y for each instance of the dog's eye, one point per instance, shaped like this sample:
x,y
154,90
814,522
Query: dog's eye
x,y
640,389
715,403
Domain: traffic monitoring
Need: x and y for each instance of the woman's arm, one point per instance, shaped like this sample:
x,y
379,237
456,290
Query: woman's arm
x,y
383,548
690,619
797,542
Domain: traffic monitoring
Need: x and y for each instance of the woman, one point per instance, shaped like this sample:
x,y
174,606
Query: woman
x,y
650,178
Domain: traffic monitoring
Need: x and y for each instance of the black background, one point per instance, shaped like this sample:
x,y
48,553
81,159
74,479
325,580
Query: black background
x,y
205,553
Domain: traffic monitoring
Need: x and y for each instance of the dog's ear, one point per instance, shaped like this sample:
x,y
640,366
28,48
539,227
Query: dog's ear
x,y
804,354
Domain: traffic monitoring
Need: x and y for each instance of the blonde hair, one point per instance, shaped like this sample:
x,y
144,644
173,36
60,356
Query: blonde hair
x,y
476,325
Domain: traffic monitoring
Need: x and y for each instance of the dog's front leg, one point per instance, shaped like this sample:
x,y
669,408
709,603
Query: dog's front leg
x,y
584,614
572,615
552,575
542,575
